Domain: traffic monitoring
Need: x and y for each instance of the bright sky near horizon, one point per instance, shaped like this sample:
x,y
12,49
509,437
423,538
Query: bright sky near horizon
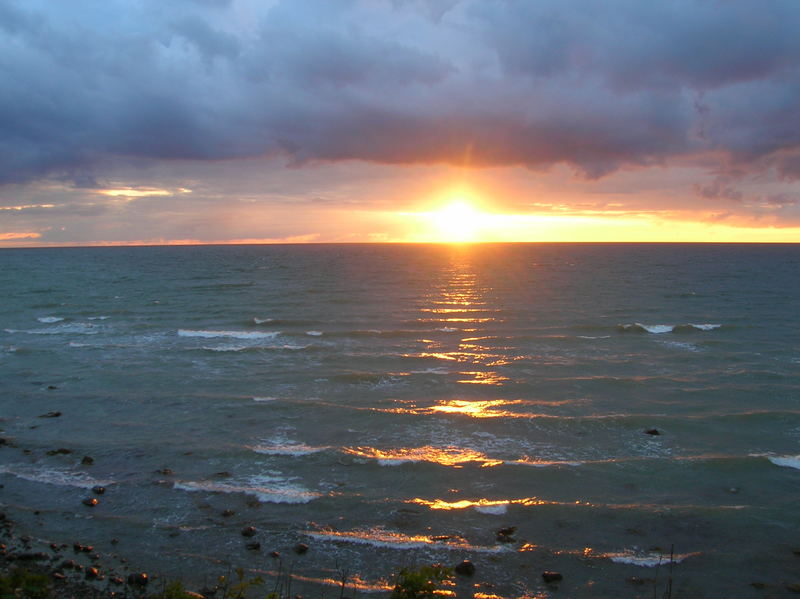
x,y
230,121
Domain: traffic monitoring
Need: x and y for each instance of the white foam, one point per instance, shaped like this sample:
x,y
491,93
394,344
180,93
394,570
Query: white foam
x,y
262,320
228,334
787,461
378,537
447,330
266,489
647,560
314,333
61,478
264,399
706,327
496,510
295,450
80,328
49,319
99,317
656,329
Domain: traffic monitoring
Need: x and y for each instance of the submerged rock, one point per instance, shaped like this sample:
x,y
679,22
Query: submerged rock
x,y
652,431
87,460
254,546
227,513
300,548
60,451
50,415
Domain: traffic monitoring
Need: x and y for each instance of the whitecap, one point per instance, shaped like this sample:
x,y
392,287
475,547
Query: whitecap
x,y
656,329
227,334
262,320
314,333
49,319
647,560
289,449
495,510
787,461
264,399
99,317
447,330
51,476
706,327
266,489
379,537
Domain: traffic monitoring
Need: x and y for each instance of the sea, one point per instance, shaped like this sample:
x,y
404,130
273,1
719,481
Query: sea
x,y
626,415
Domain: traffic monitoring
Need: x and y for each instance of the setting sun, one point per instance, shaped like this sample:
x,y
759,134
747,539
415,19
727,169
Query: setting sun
x,y
457,222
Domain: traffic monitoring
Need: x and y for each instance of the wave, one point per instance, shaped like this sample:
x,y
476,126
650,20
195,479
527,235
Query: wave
x,y
50,319
80,328
658,329
257,320
647,560
51,476
787,461
264,399
266,489
253,348
380,537
445,456
314,333
204,334
289,449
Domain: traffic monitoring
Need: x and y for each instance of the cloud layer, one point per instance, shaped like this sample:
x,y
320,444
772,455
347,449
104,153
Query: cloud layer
x,y
595,85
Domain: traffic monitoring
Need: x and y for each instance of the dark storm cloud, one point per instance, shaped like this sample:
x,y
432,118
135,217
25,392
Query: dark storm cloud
x,y
596,85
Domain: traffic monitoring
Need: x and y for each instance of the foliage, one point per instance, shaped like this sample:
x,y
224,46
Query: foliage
x,y
421,583
22,584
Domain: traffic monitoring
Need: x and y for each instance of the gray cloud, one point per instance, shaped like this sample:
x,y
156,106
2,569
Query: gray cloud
x,y
596,85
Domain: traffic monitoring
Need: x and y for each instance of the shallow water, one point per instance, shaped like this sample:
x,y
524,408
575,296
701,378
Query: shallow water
x,y
397,405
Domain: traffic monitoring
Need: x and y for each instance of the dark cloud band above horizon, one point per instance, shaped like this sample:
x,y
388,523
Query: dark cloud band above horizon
x,y
595,85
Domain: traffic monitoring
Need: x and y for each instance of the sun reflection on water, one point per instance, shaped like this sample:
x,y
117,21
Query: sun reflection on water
x,y
446,456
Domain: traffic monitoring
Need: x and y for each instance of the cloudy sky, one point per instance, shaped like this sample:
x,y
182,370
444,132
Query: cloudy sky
x,y
143,121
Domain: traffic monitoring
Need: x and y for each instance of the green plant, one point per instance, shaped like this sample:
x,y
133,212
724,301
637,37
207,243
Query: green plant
x,y
24,584
421,583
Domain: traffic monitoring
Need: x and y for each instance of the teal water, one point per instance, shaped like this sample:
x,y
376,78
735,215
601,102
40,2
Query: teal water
x,y
397,405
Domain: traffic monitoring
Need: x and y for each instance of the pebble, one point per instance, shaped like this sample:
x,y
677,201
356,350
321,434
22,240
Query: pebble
x,y
300,548
87,460
92,573
98,490
274,554
249,531
90,501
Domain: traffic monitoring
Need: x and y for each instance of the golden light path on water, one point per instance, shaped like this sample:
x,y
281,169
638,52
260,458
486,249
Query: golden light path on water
x,y
446,456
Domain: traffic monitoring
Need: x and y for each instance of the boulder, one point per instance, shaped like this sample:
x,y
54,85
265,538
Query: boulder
x,y
652,431
465,568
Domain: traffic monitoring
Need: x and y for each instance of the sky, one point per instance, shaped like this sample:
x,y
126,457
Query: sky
x,y
270,121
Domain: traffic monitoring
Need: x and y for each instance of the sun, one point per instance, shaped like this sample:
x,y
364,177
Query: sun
x,y
456,222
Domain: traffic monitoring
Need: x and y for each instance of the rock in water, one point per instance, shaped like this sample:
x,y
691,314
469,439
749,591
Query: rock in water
x,y
549,576
90,501
249,531
300,548
652,431
138,579
465,568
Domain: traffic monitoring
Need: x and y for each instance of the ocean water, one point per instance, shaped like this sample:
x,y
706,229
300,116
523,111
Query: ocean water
x,y
398,405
